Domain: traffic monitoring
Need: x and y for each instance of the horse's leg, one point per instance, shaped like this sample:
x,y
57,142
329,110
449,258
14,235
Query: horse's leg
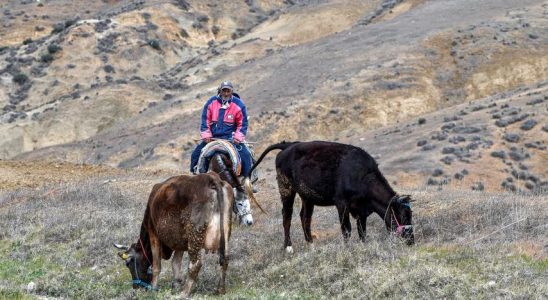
x,y
287,194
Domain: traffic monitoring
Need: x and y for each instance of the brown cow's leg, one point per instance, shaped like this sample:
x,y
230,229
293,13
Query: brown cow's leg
x,y
194,266
156,260
176,264
306,218
221,286
344,218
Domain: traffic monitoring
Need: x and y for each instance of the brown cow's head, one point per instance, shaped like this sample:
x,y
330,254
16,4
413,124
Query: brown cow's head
x,y
138,264
400,221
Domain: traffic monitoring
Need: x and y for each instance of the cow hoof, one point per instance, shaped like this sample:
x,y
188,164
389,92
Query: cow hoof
x,y
289,249
311,246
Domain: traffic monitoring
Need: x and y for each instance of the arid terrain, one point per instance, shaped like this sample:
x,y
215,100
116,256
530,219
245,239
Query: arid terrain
x,y
101,99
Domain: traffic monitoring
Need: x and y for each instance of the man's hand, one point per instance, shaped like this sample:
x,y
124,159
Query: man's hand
x,y
236,142
207,140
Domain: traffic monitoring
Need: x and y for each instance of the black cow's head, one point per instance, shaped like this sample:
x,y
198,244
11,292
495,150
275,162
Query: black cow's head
x,y
400,221
138,264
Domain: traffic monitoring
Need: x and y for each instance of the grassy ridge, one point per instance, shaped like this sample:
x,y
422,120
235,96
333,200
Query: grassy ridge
x,y
469,245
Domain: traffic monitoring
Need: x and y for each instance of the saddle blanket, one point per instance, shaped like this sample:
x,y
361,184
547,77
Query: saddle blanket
x,y
223,147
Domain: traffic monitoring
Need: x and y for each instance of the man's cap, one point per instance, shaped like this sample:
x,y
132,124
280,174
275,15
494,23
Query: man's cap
x,y
227,85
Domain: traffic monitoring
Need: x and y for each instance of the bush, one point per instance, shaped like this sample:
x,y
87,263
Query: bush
x,y
154,44
203,19
109,69
20,78
58,28
27,41
46,58
53,48
215,29
69,23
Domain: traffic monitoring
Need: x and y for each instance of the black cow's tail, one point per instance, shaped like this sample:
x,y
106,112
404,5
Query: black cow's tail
x,y
221,204
280,146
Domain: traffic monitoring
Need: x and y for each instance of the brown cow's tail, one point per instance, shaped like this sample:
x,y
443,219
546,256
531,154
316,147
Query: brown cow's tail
x,y
280,146
220,202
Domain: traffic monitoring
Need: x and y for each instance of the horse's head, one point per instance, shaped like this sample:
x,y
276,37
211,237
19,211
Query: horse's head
x,y
242,205
399,218
222,165
138,264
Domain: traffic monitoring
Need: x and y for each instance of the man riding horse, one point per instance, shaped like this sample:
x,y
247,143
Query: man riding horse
x,y
224,117
223,150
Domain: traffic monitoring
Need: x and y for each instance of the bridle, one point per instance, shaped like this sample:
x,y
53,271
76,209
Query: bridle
x,y
240,211
400,228
139,281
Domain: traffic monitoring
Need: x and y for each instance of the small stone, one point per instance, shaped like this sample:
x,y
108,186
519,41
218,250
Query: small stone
x,y
31,287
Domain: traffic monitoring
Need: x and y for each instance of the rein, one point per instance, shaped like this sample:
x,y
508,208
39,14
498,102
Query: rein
x,y
138,281
399,227
144,251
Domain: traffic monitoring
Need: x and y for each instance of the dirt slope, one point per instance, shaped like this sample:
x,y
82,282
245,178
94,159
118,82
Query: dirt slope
x,y
122,82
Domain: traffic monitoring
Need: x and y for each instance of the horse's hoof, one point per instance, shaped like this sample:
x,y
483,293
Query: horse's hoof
x,y
289,249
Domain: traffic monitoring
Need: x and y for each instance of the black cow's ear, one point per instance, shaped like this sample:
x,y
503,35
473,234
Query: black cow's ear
x,y
406,198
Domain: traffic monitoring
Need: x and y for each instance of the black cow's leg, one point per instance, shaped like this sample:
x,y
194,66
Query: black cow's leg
x,y
306,218
344,218
287,212
361,222
287,193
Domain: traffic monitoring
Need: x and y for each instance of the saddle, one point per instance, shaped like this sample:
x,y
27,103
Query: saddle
x,y
215,147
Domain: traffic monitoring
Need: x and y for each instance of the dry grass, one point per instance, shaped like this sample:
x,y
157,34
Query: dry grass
x,y
469,245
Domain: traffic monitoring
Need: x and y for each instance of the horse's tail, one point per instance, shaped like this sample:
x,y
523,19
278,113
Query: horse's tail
x,y
280,146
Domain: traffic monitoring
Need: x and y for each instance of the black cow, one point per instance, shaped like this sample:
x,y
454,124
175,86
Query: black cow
x,y
327,173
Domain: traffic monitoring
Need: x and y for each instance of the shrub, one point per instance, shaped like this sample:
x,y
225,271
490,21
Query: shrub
x,y
46,58
53,48
109,69
69,23
20,78
154,44
215,29
27,41
58,28
203,19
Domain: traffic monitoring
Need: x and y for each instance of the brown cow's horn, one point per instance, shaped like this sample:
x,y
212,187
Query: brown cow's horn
x,y
121,247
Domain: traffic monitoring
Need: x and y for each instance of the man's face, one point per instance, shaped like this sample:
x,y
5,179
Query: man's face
x,y
226,94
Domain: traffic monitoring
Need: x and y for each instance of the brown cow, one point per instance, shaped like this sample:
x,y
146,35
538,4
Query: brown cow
x,y
184,213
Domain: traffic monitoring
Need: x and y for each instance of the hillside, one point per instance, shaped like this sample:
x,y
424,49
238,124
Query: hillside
x,y
100,100
122,83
